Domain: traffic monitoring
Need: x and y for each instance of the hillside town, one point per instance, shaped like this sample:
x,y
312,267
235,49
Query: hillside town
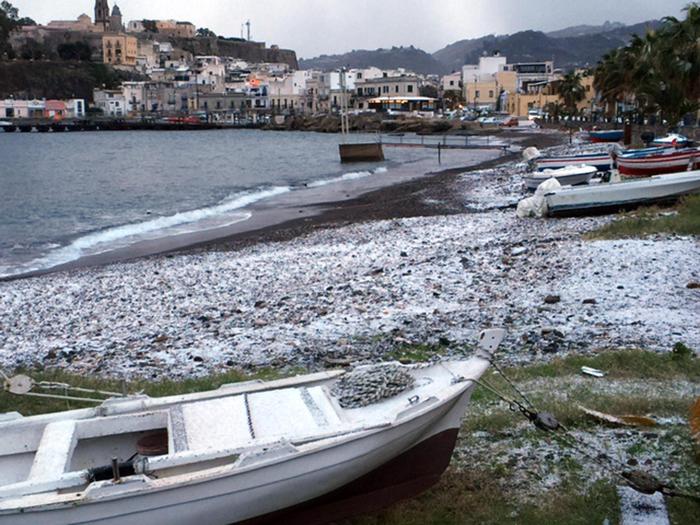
x,y
240,80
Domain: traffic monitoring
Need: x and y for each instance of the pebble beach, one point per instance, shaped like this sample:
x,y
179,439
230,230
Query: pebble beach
x,y
357,290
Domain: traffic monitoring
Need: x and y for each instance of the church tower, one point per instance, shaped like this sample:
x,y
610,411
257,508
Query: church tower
x,y
102,14
115,21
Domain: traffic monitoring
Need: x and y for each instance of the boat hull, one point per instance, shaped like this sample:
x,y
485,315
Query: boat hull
x,y
281,486
409,474
625,195
659,164
606,136
600,162
565,180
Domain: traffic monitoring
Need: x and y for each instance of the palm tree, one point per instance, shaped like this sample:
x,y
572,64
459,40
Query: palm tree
x,y
659,72
571,91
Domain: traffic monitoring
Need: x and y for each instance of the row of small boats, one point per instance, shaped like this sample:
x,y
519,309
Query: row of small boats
x,y
563,184
616,135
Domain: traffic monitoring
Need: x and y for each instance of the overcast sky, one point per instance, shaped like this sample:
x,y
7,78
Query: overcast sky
x,y
336,26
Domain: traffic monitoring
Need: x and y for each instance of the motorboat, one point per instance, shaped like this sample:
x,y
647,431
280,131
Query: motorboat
x,y
627,194
672,140
602,161
308,449
614,135
568,176
656,163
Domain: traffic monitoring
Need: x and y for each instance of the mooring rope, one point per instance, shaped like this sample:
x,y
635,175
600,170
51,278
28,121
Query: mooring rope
x,y
638,480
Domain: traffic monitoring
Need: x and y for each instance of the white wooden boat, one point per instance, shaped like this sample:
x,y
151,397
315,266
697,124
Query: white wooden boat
x,y
601,160
603,198
568,176
668,161
285,451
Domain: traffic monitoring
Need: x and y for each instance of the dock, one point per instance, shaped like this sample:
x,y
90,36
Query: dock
x,y
401,140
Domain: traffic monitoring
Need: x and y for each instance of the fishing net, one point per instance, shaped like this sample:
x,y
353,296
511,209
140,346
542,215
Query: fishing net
x,y
367,385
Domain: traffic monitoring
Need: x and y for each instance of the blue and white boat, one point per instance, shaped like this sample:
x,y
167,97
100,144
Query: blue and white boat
x,y
672,140
601,161
613,135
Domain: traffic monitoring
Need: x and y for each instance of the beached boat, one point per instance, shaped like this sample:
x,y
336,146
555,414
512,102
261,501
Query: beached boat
x,y
608,197
602,161
667,161
309,449
614,135
568,176
671,140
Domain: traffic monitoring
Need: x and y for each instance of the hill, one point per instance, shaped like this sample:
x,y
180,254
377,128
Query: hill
x,y
57,79
583,29
569,48
407,57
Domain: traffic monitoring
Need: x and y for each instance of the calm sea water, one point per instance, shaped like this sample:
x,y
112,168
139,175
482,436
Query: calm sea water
x,y
72,194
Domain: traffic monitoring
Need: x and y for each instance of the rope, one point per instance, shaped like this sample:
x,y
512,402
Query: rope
x,y
638,480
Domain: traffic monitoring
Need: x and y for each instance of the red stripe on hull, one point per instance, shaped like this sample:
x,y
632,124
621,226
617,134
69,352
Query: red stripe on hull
x,y
648,172
405,476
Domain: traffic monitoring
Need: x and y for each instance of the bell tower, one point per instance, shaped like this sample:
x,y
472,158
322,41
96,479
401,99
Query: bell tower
x,y
102,14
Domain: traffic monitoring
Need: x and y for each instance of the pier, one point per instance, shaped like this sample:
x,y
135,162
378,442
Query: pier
x,y
443,141
179,124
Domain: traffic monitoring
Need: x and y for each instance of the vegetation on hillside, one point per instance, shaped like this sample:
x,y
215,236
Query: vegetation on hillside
x,y
58,79
659,72
9,21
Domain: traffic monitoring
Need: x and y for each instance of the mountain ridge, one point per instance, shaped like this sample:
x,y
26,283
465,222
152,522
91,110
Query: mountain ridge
x,y
571,47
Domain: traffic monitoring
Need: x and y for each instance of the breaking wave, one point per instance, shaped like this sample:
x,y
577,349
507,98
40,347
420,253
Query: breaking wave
x,y
217,216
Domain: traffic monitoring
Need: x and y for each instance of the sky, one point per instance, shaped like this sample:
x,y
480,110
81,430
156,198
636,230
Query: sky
x,y
314,27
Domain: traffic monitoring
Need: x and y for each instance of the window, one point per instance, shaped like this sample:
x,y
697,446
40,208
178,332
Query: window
x,y
490,93
410,88
385,89
359,91
476,95
396,88
452,82
359,75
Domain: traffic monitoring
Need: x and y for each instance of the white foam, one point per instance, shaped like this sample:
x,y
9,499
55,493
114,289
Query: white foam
x,y
217,216
353,175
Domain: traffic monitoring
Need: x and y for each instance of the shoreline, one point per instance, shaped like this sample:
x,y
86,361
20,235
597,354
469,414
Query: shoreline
x,y
278,219
357,284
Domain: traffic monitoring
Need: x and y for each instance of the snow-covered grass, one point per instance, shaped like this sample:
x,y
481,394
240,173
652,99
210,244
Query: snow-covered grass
x,y
683,219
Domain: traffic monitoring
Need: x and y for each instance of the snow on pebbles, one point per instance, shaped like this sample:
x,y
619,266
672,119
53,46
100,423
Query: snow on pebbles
x,y
358,291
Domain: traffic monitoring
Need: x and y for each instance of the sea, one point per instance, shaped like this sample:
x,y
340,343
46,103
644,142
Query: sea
x,y
64,196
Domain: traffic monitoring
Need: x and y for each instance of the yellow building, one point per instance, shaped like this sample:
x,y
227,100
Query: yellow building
x,y
484,91
538,96
119,49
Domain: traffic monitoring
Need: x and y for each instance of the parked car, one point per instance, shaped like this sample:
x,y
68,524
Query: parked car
x,y
510,122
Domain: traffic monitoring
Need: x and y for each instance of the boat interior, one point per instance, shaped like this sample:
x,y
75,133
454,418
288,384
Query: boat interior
x,y
236,425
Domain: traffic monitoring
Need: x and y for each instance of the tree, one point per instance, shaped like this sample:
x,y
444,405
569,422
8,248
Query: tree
x,y
659,72
205,32
149,26
571,91
9,21
75,51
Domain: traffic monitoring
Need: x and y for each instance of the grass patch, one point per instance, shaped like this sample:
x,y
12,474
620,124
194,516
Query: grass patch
x,y
619,364
28,406
490,415
651,220
463,498
418,353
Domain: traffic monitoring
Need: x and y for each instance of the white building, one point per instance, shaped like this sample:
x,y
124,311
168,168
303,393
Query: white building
x,y
452,82
111,101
